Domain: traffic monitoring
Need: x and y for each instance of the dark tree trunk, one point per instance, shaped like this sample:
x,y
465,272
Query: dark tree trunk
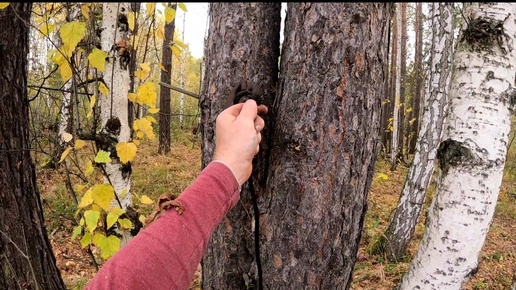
x,y
419,76
386,100
26,255
392,80
243,43
164,93
327,121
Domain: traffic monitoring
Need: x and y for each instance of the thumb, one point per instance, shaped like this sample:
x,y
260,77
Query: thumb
x,y
249,110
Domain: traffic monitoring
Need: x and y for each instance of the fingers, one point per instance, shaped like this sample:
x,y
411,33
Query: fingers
x,y
249,109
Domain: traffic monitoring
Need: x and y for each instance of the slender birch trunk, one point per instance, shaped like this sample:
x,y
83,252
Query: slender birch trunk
x,y
402,226
396,106
472,156
114,107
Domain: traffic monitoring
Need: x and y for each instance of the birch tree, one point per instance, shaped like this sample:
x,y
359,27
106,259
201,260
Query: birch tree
x,y
472,155
412,198
114,102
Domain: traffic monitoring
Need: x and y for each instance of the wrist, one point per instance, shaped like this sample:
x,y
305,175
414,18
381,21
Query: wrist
x,y
240,178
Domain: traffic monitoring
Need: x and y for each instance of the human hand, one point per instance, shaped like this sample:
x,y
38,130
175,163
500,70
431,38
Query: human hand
x,y
237,137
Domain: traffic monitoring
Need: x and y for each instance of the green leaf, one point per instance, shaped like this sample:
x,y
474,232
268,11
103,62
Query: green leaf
x,y
103,194
108,245
91,217
86,240
125,223
102,157
113,216
97,59
77,231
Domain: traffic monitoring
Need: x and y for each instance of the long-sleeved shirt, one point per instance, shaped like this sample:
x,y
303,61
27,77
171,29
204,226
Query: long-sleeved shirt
x,y
166,254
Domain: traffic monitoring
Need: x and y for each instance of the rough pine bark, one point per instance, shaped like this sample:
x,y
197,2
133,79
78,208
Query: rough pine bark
x,y
327,121
26,255
243,43
418,80
164,93
403,71
412,197
472,156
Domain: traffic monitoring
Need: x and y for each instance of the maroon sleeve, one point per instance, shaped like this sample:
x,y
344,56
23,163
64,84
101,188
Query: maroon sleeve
x,y
166,254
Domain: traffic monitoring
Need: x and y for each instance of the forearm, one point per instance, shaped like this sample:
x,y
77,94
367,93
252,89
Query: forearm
x,y
166,254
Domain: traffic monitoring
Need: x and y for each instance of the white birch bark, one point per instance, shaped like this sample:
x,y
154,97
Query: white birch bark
x,y
413,194
115,105
397,91
472,156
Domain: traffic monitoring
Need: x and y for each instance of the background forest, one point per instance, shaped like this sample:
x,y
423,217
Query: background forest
x,y
99,180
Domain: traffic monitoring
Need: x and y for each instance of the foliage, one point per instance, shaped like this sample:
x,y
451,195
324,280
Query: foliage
x,y
67,59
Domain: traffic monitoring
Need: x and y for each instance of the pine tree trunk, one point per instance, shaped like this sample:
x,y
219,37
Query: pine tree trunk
x,y
26,255
327,117
403,72
243,43
472,156
412,198
164,93
418,79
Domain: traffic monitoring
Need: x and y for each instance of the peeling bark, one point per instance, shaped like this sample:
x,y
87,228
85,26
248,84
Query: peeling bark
x,y
412,197
472,159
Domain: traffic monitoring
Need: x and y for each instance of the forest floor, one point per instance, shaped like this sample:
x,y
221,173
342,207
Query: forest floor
x,y
154,174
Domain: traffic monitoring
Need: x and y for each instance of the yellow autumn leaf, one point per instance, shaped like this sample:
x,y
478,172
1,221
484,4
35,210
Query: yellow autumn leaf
x,y
92,104
126,151
151,119
102,195
145,66
77,231
71,34
160,33
66,136
46,28
170,14
162,67
131,18
79,144
79,187
141,74
89,168
176,51
144,127
103,89
153,110
91,217
146,200
182,6
86,199
132,97
97,59
150,7
4,5
65,153
147,94
85,10
102,157
66,71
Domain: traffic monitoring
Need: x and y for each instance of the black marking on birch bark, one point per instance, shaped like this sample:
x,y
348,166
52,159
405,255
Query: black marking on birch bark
x,y
482,34
509,97
452,153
